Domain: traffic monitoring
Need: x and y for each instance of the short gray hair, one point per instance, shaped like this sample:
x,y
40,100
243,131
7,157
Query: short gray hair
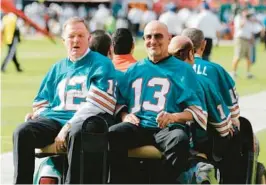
x,y
195,35
73,20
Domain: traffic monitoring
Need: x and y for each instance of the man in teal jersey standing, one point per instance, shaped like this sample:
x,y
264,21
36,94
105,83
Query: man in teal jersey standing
x,y
159,105
75,89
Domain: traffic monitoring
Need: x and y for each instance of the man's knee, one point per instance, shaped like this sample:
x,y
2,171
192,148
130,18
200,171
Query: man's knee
x,y
121,127
179,136
94,124
21,131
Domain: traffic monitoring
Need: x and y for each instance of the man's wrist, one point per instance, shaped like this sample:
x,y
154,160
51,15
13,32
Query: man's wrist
x,y
175,117
67,126
123,115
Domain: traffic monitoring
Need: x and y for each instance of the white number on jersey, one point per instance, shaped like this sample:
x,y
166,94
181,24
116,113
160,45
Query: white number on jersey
x,y
234,96
158,95
67,96
112,88
220,109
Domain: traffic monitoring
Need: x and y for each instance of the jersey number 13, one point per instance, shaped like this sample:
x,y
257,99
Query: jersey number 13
x,y
159,95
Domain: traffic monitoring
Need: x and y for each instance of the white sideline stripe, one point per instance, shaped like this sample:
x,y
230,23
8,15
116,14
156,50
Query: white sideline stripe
x,y
251,107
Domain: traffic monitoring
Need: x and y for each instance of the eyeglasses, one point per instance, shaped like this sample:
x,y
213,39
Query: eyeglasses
x,y
156,36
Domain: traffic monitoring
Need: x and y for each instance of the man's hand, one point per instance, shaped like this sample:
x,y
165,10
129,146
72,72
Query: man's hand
x,y
29,116
164,118
236,123
60,140
131,118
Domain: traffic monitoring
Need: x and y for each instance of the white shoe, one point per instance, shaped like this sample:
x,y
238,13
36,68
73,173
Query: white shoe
x,y
233,75
250,76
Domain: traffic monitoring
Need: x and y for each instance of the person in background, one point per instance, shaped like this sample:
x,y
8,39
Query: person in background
x,y
11,37
123,45
134,16
243,36
110,24
100,41
171,20
148,16
257,29
210,25
122,21
75,89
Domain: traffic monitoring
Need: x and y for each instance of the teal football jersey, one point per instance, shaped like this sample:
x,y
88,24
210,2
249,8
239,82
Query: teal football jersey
x,y
218,114
69,84
222,81
150,88
120,100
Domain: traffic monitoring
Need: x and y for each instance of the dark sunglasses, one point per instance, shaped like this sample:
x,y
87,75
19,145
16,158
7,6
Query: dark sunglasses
x,y
156,36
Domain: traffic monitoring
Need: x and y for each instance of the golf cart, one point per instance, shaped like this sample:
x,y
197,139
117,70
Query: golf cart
x,y
145,164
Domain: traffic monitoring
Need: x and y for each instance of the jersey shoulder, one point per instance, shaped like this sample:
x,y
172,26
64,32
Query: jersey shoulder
x,y
223,73
101,64
206,84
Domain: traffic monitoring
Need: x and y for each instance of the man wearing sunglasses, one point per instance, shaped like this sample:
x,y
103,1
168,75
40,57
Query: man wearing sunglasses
x,y
219,119
160,103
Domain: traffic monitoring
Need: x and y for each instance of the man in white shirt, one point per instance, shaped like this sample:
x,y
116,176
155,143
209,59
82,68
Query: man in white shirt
x,y
243,37
148,16
134,15
210,25
171,20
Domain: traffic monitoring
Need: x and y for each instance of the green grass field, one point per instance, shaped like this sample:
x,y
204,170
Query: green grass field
x,y
36,57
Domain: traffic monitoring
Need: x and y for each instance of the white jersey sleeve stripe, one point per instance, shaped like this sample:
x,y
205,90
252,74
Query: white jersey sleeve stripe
x,y
103,94
110,104
39,103
38,111
101,104
199,116
223,127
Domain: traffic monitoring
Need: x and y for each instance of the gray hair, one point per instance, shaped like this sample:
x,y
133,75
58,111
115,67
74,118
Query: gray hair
x,y
74,20
195,35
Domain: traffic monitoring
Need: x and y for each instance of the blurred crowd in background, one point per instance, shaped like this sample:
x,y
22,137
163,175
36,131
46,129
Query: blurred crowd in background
x,y
241,20
110,16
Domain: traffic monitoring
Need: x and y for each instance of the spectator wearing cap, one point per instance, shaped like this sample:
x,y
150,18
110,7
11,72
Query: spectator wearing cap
x,y
210,25
123,46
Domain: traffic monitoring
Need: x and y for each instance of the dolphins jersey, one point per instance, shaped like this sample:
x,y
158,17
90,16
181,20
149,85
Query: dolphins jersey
x,y
222,81
149,88
218,114
68,85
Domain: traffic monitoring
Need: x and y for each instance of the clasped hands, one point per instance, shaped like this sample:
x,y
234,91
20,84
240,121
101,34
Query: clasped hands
x,y
163,119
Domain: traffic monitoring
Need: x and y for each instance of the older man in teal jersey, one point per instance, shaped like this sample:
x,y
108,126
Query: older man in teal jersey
x,y
219,120
223,82
160,99
75,88
224,85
